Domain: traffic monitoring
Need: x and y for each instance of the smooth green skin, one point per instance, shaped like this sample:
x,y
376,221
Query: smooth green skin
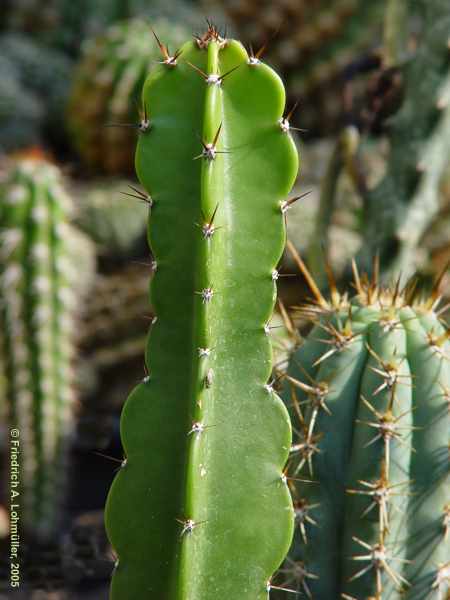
x,y
416,524
35,356
228,478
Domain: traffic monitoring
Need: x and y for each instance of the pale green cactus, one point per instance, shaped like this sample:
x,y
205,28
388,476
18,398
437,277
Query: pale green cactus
x,y
44,266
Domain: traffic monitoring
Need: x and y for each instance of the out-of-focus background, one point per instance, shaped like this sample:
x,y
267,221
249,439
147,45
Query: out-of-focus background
x,y
368,96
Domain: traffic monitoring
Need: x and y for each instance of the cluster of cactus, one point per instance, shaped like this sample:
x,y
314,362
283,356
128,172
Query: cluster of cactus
x,y
33,93
314,43
369,394
205,443
43,267
402,206
104,98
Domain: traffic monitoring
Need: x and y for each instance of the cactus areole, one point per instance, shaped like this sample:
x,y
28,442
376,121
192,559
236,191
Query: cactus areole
x,y
370,391
201,510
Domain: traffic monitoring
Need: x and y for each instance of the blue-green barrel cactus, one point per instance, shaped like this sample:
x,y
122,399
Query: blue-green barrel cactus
x,y
369,391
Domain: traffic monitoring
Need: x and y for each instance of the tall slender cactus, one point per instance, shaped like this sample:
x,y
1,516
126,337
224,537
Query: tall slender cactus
x,y
200,508
44,266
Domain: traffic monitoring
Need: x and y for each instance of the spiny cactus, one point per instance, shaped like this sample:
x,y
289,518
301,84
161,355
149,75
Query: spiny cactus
x,y
42,265
106,90
369,391
200,508
316,41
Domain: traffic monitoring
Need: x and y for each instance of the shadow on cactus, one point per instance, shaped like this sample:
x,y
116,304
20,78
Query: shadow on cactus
x,y
369,395
200,508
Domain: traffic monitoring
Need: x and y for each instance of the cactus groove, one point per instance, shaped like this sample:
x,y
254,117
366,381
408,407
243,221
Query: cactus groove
x,y
370,391
200,509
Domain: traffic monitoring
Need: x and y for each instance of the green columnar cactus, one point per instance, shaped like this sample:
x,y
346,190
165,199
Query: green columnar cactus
x,y
40,262
107,86
200,508
404,203
369,390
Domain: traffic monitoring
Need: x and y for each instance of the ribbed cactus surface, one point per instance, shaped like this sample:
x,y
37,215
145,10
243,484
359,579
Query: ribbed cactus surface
x,y
41,275
369,391
200,508
105,96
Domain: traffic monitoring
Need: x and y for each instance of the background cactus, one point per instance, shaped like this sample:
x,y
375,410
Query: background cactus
x,y
369,394
33,94
63,24
43,269
200,507
404,203
106,90
312,43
